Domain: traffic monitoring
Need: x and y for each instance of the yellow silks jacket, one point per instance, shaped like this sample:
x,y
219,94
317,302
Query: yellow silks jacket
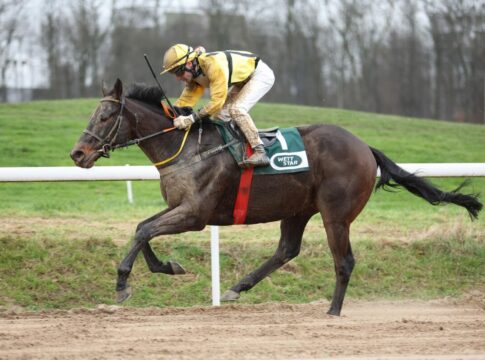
x,y
220,70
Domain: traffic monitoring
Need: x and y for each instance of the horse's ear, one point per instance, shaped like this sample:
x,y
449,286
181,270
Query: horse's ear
x,y
104,89
118,89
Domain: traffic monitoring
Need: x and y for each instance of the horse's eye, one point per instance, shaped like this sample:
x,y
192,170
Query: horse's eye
x,y
103,117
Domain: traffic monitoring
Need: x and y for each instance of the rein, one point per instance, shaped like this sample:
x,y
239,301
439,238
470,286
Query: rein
x,y
107,142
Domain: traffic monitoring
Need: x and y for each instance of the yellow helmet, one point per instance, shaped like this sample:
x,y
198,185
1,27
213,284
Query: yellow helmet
x,y
177,55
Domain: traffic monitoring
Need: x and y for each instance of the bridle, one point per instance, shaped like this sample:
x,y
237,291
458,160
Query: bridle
x,y
107,143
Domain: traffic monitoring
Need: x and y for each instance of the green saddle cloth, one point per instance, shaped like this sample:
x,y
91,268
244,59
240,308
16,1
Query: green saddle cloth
x,y
284,148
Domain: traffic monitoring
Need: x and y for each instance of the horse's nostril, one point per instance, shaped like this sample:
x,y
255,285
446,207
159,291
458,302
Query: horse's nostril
x,y
77,155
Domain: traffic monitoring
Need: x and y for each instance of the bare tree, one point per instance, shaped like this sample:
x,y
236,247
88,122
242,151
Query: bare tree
x,y
303,56
52,42
405,86
86,38
458,32
341,22
10,24
362,27
226,21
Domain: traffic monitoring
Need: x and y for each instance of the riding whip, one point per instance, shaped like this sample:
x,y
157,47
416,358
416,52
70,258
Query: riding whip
x,y
160,86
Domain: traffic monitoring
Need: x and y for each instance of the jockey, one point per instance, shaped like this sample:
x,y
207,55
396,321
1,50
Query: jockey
x,y
236,81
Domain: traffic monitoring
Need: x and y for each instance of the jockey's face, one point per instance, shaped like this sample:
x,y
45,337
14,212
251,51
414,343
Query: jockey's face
x,y
185,75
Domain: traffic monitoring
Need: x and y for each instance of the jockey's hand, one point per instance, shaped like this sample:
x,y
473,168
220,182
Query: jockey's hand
x,y
183,122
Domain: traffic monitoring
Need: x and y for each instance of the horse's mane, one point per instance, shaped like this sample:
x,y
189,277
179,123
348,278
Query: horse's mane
x,y
151,95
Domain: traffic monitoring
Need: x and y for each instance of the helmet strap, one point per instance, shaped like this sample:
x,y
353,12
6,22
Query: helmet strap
x,y
196,71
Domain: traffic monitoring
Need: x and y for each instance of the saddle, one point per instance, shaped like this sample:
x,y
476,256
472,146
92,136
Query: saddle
x,y
283,146
267,136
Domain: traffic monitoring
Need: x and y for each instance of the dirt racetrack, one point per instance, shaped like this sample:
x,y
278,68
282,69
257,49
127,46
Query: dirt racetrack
x,y
440,329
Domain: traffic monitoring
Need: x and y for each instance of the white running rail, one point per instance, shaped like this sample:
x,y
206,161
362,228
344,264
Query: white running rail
x,y
72,173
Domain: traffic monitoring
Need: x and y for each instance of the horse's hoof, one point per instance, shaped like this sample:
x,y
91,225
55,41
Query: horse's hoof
x,y
123,295
333,312
230,295
177,268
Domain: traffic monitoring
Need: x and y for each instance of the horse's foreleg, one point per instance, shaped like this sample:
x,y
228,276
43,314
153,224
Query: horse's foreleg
x,y
155,265
288,248
173,221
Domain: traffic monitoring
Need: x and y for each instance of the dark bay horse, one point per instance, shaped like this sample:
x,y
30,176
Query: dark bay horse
x,y
200,189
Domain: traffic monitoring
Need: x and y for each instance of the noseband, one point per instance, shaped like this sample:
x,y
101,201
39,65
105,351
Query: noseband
x,y
107,142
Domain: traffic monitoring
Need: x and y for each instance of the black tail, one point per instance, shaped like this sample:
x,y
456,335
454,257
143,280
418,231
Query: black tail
x,y
423,188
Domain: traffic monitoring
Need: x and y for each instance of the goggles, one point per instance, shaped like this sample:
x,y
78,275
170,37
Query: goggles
x,y
179,70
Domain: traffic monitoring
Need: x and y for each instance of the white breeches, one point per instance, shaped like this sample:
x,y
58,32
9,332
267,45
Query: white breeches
x,y
241,99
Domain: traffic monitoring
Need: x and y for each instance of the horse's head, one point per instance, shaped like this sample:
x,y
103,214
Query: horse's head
x,y
107,128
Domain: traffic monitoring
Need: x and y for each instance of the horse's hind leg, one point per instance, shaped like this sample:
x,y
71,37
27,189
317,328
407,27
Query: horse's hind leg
x,y
288,248
339,243
340,199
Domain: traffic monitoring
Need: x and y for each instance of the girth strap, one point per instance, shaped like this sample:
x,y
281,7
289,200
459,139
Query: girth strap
x,y
242,199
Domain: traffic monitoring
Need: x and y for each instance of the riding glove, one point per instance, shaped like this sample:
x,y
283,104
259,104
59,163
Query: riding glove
x,y
183,122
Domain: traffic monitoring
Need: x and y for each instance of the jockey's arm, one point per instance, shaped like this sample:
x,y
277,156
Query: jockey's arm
x,y
218,91
190,95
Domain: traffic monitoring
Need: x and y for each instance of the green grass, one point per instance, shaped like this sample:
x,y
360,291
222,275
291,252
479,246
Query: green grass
x,y
61,241
64,274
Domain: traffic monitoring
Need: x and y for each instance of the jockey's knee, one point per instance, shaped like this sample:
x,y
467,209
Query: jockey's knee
x,y
244,121
239,114
224,115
